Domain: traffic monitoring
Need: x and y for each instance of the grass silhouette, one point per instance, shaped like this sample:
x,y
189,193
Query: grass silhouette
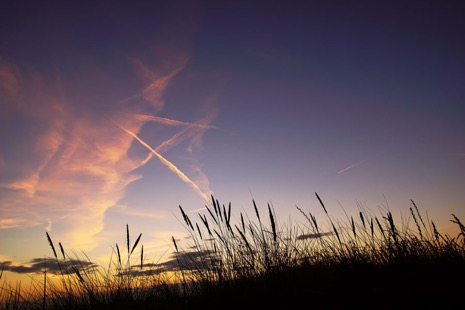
x,y
365,260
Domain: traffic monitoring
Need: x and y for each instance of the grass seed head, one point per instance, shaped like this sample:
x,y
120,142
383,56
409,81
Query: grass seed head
x,y
50,242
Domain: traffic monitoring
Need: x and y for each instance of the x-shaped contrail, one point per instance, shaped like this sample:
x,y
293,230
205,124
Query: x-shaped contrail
x,y
166,162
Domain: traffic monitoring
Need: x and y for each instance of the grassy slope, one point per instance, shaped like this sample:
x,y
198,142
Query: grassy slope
x,y
367,262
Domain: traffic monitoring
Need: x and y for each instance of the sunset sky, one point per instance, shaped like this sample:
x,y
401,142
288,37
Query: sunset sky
x,y
114,113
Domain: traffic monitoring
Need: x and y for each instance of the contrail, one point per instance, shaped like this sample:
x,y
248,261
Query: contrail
x,y
350,167
168,121
170,165
167,144
173,141
171,122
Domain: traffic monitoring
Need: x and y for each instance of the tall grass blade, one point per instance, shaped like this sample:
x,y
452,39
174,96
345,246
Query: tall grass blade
x,y
211,214
353,227
372,229
135,244
225,214
219,210
119,254
337,234
256,210
175,245
186,218
321,203
380,227
363,220
205,222
418,213
247,244
62,251
127,237
215,207
76,271
416,223
51,245
459,223
273,224
315,223
198,230
435,231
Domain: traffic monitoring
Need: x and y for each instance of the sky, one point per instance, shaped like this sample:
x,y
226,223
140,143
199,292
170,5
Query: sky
x,y
116,113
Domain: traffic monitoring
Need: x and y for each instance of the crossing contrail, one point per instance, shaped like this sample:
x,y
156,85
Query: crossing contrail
x,y
169,164
171,142
167,121
350,167
171,122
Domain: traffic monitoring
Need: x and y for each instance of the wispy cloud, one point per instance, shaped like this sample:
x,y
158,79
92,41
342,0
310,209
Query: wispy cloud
x,y
77,178
10,80
74,167
6,223
67,163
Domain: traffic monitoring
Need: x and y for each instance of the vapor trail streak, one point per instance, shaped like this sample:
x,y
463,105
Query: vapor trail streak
x,y
170,165
350,167
167,144
168,121
171,122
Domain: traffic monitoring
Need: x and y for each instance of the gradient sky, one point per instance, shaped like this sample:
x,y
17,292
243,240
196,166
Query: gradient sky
x,y
117,112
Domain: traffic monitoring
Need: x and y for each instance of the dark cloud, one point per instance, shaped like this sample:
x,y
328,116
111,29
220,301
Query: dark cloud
x,y
53,266
194,260
313,236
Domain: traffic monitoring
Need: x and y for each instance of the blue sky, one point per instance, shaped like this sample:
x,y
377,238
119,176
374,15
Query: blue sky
x,y
116,113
